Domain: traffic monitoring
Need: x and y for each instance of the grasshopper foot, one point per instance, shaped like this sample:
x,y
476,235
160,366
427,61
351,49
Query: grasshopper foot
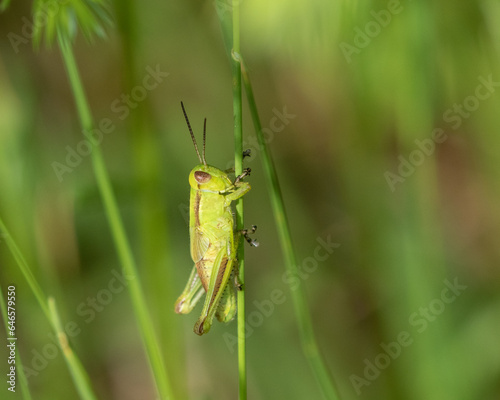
x,y
246,153
246,172
246,234
202,326
237,283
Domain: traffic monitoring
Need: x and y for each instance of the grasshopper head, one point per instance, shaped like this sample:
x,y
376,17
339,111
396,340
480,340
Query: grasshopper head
x,y
206,177
203,176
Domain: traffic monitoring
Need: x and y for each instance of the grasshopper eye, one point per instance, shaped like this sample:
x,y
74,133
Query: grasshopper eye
x,y
202,177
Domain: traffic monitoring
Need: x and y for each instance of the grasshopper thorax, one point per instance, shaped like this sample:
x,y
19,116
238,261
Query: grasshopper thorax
x,y
206,177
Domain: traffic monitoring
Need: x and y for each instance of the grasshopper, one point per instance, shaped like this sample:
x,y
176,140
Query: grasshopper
x,y
213,239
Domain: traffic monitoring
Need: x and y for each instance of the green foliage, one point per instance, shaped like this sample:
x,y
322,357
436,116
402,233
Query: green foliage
x,y
48,307
54,17
76,368
116,225
4,5
384,132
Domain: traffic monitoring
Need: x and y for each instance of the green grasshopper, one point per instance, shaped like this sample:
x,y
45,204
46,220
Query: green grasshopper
x,y
214,241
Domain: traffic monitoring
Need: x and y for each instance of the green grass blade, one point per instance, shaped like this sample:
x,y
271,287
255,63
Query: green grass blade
x,y
123,249
21,376
25,269
309,344
238,168
4,5
83,387
78,373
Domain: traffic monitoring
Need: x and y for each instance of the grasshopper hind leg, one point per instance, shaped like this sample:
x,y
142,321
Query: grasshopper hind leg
x,y
227,308
219,278
191,294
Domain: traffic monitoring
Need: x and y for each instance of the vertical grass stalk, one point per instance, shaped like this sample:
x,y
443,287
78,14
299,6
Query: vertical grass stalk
x,y
76,369
304,322
25,270
238,169
123,249
19,366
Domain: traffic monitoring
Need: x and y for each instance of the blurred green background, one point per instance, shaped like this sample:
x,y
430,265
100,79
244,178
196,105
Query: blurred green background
x,y
390,149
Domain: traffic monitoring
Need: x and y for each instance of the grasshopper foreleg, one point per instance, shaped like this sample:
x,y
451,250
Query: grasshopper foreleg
x,y
246,234
246,172
247,153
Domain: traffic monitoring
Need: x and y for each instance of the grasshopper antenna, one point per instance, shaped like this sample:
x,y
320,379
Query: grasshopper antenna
x,y
204,136
193,138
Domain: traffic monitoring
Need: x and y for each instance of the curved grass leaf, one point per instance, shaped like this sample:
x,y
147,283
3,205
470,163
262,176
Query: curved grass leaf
x,y
66,17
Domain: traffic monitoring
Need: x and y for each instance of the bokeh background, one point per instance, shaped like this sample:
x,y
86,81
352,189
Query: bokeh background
x,y
392,153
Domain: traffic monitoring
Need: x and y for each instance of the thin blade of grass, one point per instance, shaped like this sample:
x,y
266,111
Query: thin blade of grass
x,y
309,344
21,376
78,373
75,368
123,249
238,168
229,19
25,269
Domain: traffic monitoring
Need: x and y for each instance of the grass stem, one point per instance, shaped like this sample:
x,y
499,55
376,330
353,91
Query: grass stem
x,y
238,168
304,322
25,390
124,251
75,367
25,269
78,373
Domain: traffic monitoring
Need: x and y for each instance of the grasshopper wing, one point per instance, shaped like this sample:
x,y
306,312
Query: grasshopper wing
x,y
227,308
199,243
